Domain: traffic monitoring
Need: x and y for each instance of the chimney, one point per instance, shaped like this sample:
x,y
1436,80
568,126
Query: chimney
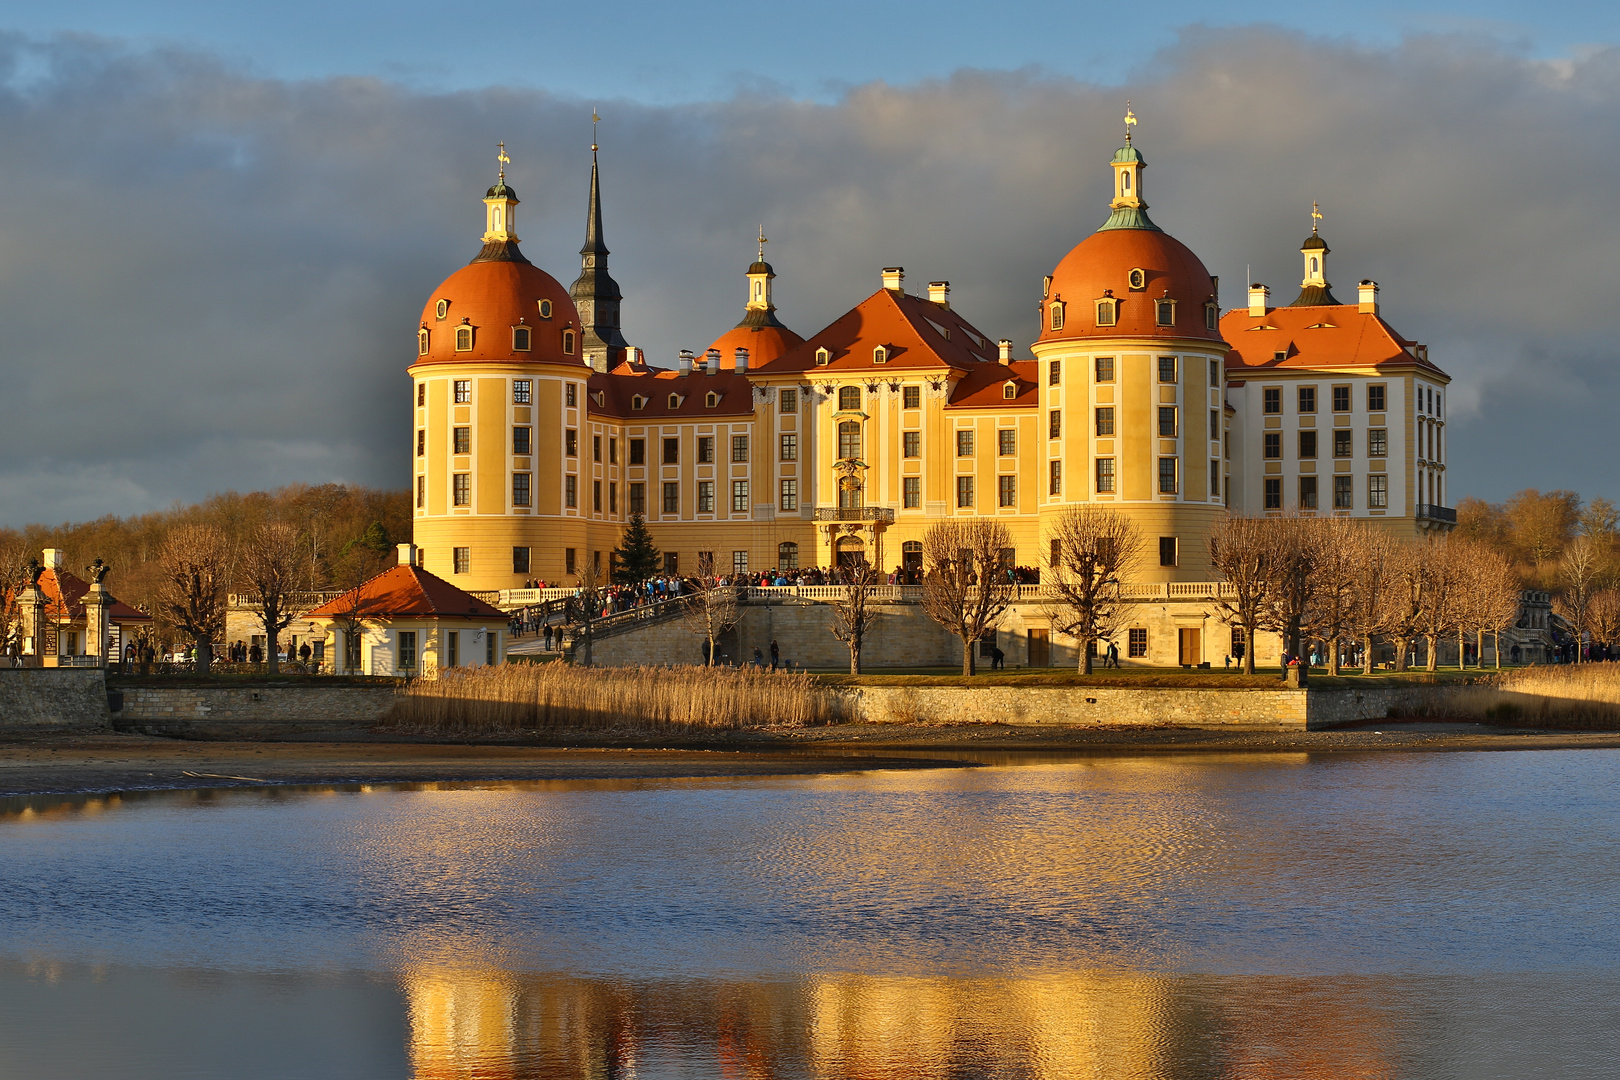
x,y
742,360
713,357
894,278
1259,299
52,558
940,293
1369,297
686,362
1006,350
407,554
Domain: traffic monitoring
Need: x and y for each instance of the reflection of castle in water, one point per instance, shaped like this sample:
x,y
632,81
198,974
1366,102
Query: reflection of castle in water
x,y
1088,1026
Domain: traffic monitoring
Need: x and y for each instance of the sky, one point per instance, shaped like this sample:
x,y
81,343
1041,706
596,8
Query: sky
x,y
219,223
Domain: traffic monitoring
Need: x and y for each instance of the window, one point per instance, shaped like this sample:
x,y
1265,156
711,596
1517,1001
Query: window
x,y
1167,476
613,451
1307,493
1437,403
1137,642
787,400
1378,492
1009,390
464,336
596,448
790,495
571,395
849,441
705,496
823,357
1375,399
520,489
421,393
1105,420
613,497
1137,278
672,451
1214,477
911,397
1105,312
520,339
1307,444
787,556
441,309
461,489
1214,423
849,399
1378,442
571,492
1164,312
672,498
880,355
1212,318
463,391
596,496
1054,373
964,492
739,448
545,309
911,492
421,441
739,496
1341,443
1167,551
789,447
1273,445
638,498
1006,491
568,342
1105,368
1273,493
520,560
1054,477
569,561
406,654
1167,369
911,444
1341,399
1167,421
1006,442
1307,399
571,442
1105,475
964,443
1343,497
421,492
1054,424
710,400
1272,398
461,437
1057,315
422,342
638,451
462,559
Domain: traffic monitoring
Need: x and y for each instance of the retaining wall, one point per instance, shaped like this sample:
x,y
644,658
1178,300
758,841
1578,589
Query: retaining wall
x,y
252,710
46,699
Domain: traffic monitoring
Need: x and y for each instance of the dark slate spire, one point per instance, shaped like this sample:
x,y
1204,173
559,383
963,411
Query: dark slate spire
x,y
596,295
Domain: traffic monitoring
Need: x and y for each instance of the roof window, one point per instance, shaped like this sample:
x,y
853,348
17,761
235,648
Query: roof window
x,y
1009,390
422,342
442,308
1056,315
880,354
1107,311
674,401
464,339
1137,278
638,402
823,357
520,339
711,399
545,309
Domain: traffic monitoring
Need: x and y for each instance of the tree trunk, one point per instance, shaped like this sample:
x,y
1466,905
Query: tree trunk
x,y
967,656
1462,649
1498,650
1431,645
1333,656
205,655
1248,650
1366,655
272,665
854,659
1087,647
1403,645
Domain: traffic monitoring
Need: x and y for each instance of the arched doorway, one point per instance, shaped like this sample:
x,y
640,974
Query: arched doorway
x,y
849,551
911,561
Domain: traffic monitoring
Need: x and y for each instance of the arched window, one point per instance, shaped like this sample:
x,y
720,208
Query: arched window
x,y
464,338
568,342
1125,179
545,309
880,355
711,399
495,217
1313,264
674,401
787,556
1009,390
759,289
422,342
638,402
911,557
1057,316
520,339
849,441
849,399
1212,316
823,357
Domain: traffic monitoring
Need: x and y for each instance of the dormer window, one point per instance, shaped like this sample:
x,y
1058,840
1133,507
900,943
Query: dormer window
x,y
1212,316
422,342
1056,315
568,343
711,399
520,339
1164,312
442,309
823,357
464,339
600,397
1138,276
638,402
674,401
880,355
1107,311
1009,390
545,309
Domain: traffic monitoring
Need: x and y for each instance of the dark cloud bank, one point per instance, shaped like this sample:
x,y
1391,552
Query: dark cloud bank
x,y
209,281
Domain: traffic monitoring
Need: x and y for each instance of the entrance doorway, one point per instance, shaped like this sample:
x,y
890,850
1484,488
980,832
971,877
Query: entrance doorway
x,y
1040,648
1192,647
850,551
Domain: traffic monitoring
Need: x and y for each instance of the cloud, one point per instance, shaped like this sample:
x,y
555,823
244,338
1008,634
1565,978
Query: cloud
x,y
210,280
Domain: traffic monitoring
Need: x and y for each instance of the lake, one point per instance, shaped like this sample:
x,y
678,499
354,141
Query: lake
x,y
1316,916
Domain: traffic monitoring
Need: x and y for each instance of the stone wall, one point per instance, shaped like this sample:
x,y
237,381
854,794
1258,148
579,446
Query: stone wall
x,y
252,710
45,699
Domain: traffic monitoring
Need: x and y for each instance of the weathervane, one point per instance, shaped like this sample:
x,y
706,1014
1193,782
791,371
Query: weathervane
x,y
762,243
1316,216
1130,121
504,160
594,121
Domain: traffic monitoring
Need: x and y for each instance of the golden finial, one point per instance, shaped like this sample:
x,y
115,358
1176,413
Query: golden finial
x,y
762,243
1316,216
594,121
503,159
1130,121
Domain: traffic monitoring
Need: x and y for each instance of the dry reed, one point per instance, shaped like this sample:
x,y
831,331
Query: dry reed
x,y
1565,696
514,698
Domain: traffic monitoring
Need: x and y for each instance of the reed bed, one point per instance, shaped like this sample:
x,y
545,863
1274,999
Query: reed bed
x,y
514,698
1564,696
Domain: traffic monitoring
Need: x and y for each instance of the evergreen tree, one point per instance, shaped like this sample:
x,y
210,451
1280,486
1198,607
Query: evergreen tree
x,y
636,558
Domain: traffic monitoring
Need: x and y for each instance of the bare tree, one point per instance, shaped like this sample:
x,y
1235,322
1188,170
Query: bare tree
x,y
1409,586
712,609
1336,545
965,588
590,606
1581,571
1375,568
1603,616
1502,600
1093,549
853,614
1290,568
1239,549
1442,594
194,562
271,566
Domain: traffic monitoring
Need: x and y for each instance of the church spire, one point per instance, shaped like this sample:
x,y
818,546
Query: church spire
x,y
596,295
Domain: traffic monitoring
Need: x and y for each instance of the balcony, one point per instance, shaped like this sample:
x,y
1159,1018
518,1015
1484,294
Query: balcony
x,y
883,514
1435,512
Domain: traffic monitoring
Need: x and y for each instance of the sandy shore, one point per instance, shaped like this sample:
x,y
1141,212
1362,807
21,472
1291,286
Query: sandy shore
x,y
60,764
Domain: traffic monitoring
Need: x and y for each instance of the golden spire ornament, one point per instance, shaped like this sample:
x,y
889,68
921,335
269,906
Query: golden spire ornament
x,y
1130,121
594,121
1316,216
503,160
762,243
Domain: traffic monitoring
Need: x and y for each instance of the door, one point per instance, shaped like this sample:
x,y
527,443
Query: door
x,y
1192,647
1040,648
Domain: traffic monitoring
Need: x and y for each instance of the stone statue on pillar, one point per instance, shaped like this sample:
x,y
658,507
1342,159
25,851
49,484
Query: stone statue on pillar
x,y
31,603
97,605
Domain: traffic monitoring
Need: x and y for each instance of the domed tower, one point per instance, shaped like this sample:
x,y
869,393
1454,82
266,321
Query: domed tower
x,y
1131,360
760,331
498,400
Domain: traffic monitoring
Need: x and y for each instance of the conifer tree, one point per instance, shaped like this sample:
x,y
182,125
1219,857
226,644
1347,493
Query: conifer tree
x,y
637,557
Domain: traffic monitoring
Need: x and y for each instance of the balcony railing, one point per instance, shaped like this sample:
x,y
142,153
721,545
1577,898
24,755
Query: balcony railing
x,y
1436,512
884,514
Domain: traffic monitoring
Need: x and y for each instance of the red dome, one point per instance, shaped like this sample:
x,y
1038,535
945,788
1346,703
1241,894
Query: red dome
x,y
764,344
494,296
1101,265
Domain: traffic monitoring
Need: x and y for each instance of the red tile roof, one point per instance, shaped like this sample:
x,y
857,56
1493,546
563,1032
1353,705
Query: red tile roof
x,y
1329,336
917,332
983,387
619,389
64,595
407,591
1102,262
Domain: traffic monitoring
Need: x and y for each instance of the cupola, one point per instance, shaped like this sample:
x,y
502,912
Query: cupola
x,y
1128,205
1315,291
